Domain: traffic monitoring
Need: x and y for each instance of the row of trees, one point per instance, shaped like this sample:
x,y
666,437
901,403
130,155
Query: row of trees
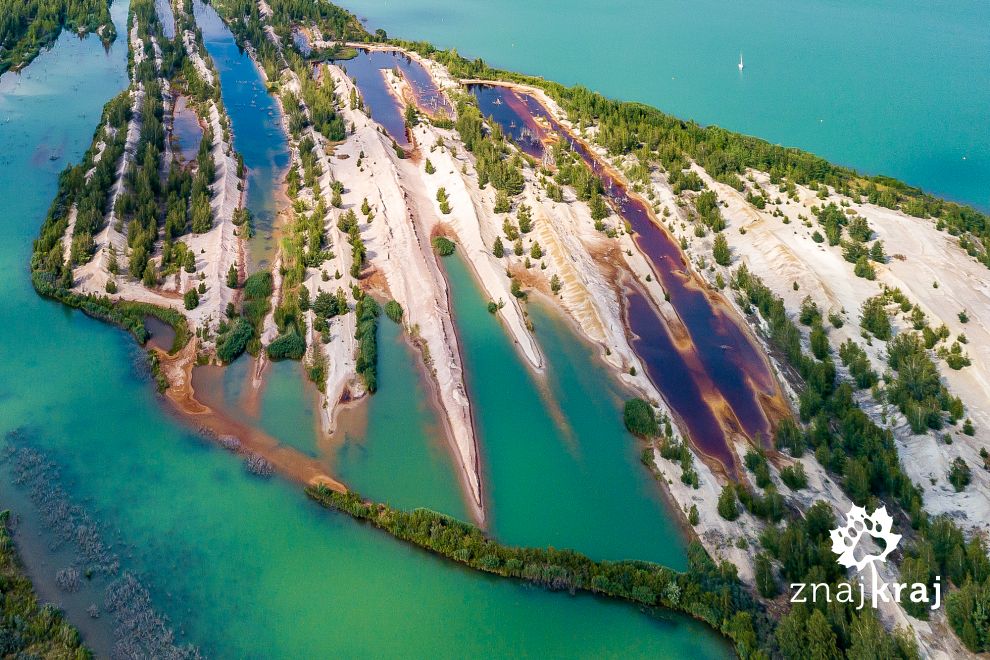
x,y
27,26
627,127
709,592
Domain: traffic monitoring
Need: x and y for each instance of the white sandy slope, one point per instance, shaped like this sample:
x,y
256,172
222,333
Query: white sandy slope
x,y
398,244
782,254
785,253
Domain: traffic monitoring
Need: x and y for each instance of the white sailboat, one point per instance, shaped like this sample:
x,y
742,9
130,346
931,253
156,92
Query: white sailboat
x,y
741,65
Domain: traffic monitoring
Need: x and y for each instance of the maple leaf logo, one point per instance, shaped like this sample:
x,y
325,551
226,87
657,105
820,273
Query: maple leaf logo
x,y
846,539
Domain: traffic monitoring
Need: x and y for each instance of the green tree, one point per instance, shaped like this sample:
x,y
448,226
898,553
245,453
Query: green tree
x,y
393,310
191,299
444,246
727,507
720,250
822,644
874,318
502,202
766,583
640,418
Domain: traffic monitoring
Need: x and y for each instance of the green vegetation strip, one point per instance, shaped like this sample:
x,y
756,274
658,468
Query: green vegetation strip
x,y
709,592
27,628
126,314
27,26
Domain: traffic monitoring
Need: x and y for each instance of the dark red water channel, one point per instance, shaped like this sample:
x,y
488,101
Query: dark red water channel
x,y
366,70
711,358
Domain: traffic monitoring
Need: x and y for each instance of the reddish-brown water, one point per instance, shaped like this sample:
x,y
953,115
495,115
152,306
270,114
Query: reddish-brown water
x,y
707,367
368,71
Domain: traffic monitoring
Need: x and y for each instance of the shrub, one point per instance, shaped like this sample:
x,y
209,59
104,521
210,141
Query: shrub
x,y
289,346
190,299
727,507
720,251
794,476
875,319
959,474
394,311
640,418
444,246
232,343
258,286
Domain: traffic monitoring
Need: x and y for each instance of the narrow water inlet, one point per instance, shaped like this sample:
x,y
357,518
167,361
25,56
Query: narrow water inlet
x,y
258,134
367,70
719,362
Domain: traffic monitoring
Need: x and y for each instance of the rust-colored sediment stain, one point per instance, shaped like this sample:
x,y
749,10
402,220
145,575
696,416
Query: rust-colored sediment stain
x,y
733,386
181,395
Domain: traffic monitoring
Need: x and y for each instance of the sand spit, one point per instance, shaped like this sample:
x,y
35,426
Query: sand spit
x,y
215,251
400,265
398,242
230,433
192,51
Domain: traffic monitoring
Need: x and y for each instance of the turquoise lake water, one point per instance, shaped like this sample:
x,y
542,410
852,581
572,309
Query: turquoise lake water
x,y
897,87
245,567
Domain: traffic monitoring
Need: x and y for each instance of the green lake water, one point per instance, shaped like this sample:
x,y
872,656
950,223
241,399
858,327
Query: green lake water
x,y
897,87
579,484
246,567
400,455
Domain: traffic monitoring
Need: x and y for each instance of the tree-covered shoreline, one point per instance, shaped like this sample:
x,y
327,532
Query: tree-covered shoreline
x,y
27,26
707,591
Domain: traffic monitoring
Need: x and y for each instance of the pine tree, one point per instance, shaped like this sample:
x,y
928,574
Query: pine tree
x,y
727,507
822,644
720,251
766,583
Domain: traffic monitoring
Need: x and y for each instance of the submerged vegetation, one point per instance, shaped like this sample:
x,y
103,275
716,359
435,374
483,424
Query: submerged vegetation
x,y
28,628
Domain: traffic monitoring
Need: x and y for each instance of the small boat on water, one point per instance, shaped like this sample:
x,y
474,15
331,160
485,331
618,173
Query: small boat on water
x,y
741,65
